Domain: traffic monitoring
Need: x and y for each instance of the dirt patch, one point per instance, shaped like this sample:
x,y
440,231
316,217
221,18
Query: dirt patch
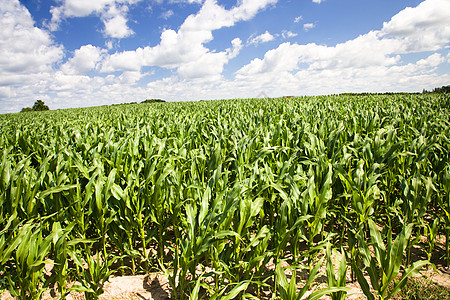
x,y
154,286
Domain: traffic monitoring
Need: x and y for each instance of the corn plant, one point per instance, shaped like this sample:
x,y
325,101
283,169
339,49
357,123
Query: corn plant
x,y
288,289
337,279
431,231
444,202
29,250
385,264
93,272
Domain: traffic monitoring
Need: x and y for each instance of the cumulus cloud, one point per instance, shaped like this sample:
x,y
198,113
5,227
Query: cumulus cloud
x,y
113,13
184,49
369,61
115,22
236,47
262,38
24,48
308,26
288,34
366,63
84,60
298,19
422,28
283,58
318,1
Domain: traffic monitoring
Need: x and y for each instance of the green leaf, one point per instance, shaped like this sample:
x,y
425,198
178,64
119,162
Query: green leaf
x,y
57,189
410,271
363,283
377,241
312,276
194,293
320,293
242,286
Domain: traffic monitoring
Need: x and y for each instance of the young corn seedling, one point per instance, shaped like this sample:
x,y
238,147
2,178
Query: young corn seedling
x,y
29,250
385,264
93,273
287,290
62,245
444,203
431,231
338,279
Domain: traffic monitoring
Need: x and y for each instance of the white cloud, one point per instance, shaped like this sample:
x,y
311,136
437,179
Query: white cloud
x,y
318,1
113,13
209,64
110,44
369,62
236,47
124,61
283,58
184,49
167,14
262,38
116,23
308,26
288,34
27,57
116,27
212,16
85,59
433,60
298,19
366,50
422,28
24,49
130,77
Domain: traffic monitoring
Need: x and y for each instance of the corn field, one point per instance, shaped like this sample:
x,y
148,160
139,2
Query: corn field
x,y
227,198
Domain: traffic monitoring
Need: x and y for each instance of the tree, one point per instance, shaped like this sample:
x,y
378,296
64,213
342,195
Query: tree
x,y
39,105
442,89
25,109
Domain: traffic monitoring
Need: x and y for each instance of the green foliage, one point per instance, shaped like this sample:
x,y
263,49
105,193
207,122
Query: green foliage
x,y
422,289
39,105
26,109
148,101
214,193
339,278
383,266
442,90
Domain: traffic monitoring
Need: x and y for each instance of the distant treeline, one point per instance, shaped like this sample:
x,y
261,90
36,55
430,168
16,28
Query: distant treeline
x,y
153,101
442,90
145,101
368,93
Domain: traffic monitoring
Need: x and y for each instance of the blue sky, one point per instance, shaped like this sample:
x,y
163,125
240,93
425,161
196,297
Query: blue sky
x,y
77,53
